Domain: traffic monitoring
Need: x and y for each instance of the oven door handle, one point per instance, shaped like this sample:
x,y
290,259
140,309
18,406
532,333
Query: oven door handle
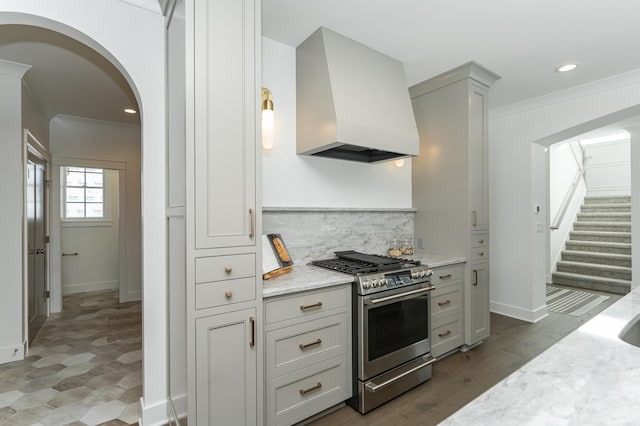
x,y
373,388
368,301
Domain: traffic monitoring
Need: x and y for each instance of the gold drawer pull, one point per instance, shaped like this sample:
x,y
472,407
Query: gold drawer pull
x,y
481,253
475,218
311,389
304,346
475,277
480,241
446,333
444,303
307,307
228,294
252,222
228,269
444,277
64,254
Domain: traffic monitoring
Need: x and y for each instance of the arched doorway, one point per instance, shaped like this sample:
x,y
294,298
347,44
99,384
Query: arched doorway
x,y
132,39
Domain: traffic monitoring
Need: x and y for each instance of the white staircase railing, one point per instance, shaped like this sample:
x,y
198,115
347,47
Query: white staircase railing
x,y
572,189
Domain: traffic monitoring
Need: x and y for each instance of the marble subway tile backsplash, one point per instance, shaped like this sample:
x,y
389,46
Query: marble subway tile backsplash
x,y
312,234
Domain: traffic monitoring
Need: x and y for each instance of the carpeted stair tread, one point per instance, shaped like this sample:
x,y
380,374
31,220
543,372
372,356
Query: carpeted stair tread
x,y
608,199
608,236
590,282
606,208
608,271
599,247
614,259
605,217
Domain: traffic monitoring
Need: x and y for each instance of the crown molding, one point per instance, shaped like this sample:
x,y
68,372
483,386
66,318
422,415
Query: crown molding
x,y
13,69
469,70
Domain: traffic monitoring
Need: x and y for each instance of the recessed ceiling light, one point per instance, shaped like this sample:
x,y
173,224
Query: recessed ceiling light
x,y
130,111
567,67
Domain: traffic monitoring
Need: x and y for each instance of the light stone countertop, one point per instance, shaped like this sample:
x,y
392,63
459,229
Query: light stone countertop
x,y
309,277
590,377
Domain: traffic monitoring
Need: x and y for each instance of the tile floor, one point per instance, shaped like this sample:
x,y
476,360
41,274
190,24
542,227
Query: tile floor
x,y
462,377
84,367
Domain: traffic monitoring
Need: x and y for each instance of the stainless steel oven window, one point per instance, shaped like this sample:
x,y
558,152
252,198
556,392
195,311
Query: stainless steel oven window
x,y
396,326
377,352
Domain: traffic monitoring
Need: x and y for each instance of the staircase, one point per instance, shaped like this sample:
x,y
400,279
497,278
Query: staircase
x,y
597,255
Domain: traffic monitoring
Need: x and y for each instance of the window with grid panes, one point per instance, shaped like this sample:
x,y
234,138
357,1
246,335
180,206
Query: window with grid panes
x,y
83,196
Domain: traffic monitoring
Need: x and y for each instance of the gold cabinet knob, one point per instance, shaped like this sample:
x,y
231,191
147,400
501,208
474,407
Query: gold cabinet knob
x,y
228,293
228,269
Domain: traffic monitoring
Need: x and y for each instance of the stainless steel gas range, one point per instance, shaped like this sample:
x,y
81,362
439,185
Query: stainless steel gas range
x,y
391,325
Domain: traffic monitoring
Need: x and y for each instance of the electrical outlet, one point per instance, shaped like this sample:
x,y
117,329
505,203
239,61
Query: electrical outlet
x,y
539,228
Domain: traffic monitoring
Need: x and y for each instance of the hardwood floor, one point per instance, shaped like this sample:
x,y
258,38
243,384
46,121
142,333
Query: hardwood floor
x,y
463,376
83,368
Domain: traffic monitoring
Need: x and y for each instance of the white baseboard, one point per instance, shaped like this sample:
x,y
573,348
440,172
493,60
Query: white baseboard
x,y
84,287
179,404
133,296
153,415
12,353
519,313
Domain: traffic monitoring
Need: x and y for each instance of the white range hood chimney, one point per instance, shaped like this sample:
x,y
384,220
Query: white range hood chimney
x,y
352,102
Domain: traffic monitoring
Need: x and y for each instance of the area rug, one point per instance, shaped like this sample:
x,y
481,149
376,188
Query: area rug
x,y
572,302
124,326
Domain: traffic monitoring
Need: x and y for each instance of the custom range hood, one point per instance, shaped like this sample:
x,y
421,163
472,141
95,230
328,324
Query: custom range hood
x,y
352,102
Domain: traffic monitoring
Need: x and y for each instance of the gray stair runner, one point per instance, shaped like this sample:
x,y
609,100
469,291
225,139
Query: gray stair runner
x,y
597,255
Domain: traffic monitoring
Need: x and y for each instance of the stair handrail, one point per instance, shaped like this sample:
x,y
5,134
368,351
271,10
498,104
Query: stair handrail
x,y
572,189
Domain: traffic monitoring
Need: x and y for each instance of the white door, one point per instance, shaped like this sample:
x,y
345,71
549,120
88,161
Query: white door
x,y
36,244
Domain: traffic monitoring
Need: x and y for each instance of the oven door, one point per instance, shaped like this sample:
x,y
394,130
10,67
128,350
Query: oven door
x,y
394,328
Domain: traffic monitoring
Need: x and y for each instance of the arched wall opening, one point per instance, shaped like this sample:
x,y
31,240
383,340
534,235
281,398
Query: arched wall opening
x,y
132,39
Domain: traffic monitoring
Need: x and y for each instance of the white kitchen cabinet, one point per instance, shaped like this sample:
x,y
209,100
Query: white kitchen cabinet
x,y
226,361
450,179
308,353
447,314
477,303
226,110
222,213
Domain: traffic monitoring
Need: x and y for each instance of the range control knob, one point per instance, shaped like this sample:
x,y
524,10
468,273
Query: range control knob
x,y
415,274
366,284
423,274
374,283
383,281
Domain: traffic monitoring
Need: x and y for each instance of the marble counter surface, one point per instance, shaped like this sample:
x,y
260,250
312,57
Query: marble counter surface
x,y
590,377
309,277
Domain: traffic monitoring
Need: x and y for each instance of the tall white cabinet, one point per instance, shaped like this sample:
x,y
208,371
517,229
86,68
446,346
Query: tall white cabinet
x,y
450,181
221,212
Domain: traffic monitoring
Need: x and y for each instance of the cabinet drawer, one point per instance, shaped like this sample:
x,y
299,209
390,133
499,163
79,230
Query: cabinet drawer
x,y
480,240
305,305
303,393
218,268
446,335
225,292
449,274
446,301
480,253
302,345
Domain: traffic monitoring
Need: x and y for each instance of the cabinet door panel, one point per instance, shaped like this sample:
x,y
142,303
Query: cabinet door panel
x,y
478,173
226,370
477,313
226,106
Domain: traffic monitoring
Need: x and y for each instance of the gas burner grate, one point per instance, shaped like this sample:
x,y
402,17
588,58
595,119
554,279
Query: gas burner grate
x,y
352,262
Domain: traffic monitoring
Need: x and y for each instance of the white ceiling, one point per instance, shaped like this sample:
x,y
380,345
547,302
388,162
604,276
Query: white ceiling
x,y
66,76
523,41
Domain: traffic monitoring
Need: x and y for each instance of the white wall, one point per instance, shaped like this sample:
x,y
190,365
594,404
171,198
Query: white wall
x,y
517,287
96,266
609,168
11,189
290,180
565,159
79,138
133,39
33,118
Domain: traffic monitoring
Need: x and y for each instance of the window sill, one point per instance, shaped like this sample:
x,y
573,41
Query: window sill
x,y
85,223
